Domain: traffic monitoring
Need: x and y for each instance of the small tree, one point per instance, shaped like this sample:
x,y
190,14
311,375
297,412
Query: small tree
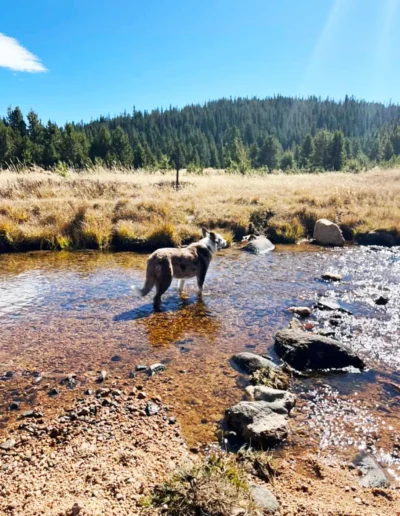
x,y
178,160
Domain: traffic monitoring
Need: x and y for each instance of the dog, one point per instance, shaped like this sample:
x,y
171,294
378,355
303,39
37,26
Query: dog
x,y
168,263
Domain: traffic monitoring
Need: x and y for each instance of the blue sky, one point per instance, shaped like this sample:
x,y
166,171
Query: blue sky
x,y
92,57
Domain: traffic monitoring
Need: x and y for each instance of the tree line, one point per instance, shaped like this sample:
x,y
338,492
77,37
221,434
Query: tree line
x,y
236,134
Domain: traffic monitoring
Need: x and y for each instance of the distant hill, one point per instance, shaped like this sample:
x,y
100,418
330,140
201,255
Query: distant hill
x,y
236,133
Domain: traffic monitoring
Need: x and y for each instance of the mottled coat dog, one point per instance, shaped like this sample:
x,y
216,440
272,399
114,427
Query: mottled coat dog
x,y
168,263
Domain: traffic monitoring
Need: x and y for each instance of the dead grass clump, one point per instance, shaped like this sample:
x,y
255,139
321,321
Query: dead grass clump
x,y
270,377
164,235
285,231
259,463
213,487
95,230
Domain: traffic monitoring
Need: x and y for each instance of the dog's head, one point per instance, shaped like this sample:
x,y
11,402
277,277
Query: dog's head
x,y
215,238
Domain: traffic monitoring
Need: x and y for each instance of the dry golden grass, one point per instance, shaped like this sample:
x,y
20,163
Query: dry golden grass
x,y
102,209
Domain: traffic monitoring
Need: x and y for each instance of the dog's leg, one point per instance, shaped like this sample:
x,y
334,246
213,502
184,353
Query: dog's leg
x,y
163,283
181,285
200,281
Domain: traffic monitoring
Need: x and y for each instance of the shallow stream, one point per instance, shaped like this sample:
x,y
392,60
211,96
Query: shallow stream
x,y
63,313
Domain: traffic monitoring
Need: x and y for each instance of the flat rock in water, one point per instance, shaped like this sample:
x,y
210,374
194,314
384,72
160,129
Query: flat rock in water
x,y
304,350
250,362
372,474
255,422
279,401
265,499
324,303
258,245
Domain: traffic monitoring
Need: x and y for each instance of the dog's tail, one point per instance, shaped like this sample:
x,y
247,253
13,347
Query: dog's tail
x,y
141,292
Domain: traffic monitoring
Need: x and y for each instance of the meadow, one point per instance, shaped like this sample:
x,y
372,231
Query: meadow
x,y
123,210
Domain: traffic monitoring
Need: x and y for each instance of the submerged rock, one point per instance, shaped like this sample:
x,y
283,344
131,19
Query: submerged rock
x,y
250,362
101,377
279,401
265,499
303,350
156,368
382,300
328,233
331,276
258,245
372,474
69,381
380,238
302,311
255,422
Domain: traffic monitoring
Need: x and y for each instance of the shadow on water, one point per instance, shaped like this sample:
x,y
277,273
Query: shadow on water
x,y
169,306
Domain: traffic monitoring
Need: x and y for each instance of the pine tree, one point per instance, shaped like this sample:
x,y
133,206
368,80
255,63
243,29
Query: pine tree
x,y
376,152
35,133
74,148
139,157
338,151
388,150
178,160
121,147
6,145
322,157
395,139
287,161
52,145
15,120
101,145
270,153
307,151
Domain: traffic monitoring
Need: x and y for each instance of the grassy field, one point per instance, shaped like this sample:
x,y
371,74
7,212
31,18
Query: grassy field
x,y
141,211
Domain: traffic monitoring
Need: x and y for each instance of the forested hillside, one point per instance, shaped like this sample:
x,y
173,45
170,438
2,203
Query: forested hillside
x,y
240,134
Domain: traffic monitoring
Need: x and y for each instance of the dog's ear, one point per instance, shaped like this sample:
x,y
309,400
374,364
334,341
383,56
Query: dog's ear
x,y
205,232
213,237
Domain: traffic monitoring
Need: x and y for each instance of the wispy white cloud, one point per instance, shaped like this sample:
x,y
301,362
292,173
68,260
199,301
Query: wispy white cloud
x,y
15,57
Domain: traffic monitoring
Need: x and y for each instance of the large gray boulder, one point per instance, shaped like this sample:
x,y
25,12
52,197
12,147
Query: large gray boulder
x,y
256,423
279,401
328,233
304,350
250,362
265,499
258,245
372,475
